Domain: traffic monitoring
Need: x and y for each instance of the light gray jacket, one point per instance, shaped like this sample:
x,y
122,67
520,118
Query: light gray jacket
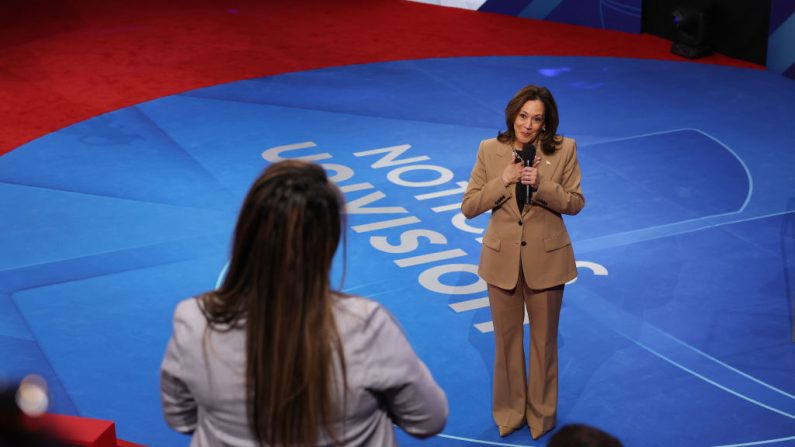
x,y
386,382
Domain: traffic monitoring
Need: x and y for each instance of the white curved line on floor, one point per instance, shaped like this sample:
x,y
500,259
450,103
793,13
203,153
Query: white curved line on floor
x,y
767,441
478,441
712,382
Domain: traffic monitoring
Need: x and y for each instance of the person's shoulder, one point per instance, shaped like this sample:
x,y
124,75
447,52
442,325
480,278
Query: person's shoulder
x,y
491,144
355,307
188,307
566,141
188,316
564,144
490,141
355,313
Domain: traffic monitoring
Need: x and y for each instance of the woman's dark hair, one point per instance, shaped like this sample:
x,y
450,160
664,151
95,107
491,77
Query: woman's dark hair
x,y
581,435
549,138
277,286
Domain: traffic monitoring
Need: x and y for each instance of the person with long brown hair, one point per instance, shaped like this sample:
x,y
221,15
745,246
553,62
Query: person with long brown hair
x,y
527,177
274,356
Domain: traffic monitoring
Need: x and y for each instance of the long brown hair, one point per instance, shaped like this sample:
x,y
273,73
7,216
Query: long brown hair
x,y
277,285
548,137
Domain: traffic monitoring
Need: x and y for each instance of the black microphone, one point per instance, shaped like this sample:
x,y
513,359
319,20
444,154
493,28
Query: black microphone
x,y
528,155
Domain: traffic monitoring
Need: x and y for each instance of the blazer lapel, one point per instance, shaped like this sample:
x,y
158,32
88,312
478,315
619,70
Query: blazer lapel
x,y
548,164
505,157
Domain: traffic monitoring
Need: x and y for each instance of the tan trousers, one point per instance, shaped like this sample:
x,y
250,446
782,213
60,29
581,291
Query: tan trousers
x,y
516,399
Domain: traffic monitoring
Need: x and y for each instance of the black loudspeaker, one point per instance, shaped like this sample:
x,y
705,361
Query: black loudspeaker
x,y
691,28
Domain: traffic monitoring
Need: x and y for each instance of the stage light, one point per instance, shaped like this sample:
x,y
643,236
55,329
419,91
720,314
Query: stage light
x,y
691,26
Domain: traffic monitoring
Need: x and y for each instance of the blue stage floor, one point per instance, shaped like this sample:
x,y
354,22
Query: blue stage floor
x,y
678,331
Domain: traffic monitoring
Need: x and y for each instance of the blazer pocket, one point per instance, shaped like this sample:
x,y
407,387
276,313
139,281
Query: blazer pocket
x,y
493,244
557,241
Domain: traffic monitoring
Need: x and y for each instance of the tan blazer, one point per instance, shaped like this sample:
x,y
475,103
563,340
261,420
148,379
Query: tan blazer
x,y
539,236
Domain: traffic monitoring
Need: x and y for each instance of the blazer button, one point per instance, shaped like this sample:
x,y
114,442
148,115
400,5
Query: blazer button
x,y
524,243
520,222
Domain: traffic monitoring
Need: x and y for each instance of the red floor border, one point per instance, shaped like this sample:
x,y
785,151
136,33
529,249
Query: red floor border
x,y
64,61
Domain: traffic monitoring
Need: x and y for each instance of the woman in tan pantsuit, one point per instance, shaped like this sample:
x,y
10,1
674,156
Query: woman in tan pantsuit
x,y
527,256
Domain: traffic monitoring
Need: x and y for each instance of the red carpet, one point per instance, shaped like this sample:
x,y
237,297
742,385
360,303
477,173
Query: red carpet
x,y
64,61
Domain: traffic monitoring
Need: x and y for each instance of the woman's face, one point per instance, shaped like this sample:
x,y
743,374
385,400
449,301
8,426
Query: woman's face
x,y
529,121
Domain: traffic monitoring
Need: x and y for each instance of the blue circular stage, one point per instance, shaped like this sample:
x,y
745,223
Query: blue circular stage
x,y
677,329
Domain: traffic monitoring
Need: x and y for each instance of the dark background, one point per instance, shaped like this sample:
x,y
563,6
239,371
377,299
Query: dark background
x,y
736,28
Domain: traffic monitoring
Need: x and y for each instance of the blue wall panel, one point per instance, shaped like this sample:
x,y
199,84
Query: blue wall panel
x,y
781,43
619,15
510,7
